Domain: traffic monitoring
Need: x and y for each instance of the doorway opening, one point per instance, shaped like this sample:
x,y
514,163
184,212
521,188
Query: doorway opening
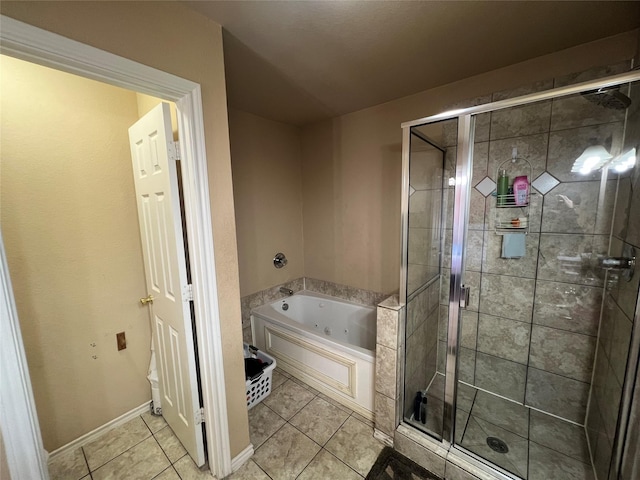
x,y
21,431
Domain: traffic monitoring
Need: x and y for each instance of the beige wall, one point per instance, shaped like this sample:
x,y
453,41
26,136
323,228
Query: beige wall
x,y
267,180
168,36
73,245
352,167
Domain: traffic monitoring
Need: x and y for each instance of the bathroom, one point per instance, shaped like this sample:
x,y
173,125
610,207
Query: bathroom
x,y
329,196
528,337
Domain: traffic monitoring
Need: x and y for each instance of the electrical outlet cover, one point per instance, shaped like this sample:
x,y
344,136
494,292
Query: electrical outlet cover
x,y
122,341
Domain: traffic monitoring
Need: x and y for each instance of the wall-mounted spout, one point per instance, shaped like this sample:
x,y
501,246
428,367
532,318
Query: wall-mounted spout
x,y
286,291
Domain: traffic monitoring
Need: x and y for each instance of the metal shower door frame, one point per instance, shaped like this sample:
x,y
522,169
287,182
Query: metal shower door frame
x,y
464,158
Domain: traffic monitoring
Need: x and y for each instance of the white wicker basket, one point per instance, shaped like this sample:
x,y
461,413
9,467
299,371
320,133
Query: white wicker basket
x,y
260,387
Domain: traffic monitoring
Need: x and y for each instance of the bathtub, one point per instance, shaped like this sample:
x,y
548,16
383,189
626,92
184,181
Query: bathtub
x,y
326,342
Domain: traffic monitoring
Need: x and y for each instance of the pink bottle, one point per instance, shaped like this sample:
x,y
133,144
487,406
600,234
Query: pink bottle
x,y
521,190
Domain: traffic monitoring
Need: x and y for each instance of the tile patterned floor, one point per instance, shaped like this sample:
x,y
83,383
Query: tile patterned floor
x,y
144,448
297,433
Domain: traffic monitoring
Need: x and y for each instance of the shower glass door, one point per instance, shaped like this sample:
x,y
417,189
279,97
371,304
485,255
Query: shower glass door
x,y
533,334
529,334
430,160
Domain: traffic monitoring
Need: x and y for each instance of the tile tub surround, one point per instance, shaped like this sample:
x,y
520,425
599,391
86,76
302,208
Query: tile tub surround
x,y
389,367
143,448
345,292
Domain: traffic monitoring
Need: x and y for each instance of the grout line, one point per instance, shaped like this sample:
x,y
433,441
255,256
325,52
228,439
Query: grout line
x,y
344,463
350,414
175,469
528,367
312,458
86,462
557,452
161,448
124,451
466,424
260,468
169,467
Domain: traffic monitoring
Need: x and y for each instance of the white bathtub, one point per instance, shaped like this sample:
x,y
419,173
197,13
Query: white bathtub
x,y
324,341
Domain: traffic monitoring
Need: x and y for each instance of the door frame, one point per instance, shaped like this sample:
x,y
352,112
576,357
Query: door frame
x,y
32,44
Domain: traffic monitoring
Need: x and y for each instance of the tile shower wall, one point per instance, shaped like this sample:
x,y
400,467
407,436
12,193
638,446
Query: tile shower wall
x,y
529,333
619,309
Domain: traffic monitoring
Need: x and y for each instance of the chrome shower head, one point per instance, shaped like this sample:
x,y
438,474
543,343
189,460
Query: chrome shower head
x,y
608,97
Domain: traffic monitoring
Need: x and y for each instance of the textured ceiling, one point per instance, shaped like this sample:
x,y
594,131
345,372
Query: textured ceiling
x,y
302,61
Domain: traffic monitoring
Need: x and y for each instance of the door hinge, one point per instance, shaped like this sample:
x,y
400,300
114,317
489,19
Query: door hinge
x,y
187,293
199,416
174,151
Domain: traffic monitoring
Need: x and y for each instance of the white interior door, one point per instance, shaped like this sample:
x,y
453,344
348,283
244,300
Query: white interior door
x,y
158,204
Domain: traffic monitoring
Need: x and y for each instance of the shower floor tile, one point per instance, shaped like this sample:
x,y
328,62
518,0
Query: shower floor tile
x,y
547,463
558,435
541,446
476,437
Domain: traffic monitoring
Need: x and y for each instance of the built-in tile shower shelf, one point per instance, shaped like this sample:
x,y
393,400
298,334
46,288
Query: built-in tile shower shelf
x,y
511,213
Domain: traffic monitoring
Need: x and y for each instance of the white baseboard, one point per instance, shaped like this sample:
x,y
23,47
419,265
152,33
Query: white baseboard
x,y
94,434
383,437
241,458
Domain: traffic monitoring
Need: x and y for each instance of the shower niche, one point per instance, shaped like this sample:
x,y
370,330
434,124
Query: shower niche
x,y
517,364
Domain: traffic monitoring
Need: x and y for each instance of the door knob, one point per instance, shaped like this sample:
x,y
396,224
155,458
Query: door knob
x,y
146,300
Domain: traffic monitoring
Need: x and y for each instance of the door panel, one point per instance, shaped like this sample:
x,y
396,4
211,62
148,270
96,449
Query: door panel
x,y
424,373
158,201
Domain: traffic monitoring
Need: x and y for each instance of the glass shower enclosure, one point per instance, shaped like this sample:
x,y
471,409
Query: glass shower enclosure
x,y
521,221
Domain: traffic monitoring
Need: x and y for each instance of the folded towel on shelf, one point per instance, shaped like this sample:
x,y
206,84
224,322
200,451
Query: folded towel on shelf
x,y
513,245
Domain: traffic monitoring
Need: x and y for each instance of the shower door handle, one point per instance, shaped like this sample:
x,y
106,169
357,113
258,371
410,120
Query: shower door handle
x,y
465,293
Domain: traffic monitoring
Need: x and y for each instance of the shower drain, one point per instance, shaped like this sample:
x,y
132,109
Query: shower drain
x,y
497,445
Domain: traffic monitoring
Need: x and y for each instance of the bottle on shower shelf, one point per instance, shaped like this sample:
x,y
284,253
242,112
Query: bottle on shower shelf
x,y
521,190
503,187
